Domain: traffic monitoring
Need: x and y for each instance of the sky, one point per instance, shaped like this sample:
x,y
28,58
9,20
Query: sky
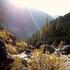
x,y
52,7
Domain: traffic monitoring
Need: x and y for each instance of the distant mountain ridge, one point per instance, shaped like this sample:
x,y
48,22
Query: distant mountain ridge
x,y
39,15
23,23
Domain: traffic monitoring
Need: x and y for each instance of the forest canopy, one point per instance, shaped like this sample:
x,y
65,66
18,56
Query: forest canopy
x,y
55,30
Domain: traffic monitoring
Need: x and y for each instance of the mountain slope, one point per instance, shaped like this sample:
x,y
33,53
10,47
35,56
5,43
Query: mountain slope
x,y
24,23
40,17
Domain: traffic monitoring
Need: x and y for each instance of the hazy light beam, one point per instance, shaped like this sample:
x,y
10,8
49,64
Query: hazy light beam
x,y
35,23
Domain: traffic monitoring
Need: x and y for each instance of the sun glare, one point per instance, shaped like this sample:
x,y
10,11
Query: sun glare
x,y
18,3
27,3
52,7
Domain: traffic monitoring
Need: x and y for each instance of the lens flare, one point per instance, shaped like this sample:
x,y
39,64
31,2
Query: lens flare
x,y
35,23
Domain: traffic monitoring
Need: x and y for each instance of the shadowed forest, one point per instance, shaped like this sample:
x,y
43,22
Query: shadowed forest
x,y
54,31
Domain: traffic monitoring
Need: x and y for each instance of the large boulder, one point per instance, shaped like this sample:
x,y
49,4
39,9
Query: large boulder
x,y
4,59
3,52
66,50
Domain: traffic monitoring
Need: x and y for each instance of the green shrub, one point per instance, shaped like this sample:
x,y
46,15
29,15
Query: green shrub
x,y
21,45
17,64
40,61
11,49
